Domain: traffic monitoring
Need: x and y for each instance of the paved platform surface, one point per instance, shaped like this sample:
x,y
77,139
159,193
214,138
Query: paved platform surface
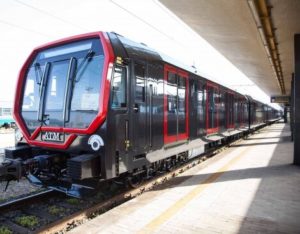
x,y
250,188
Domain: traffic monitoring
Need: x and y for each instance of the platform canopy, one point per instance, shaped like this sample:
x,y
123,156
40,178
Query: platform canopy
x,y
255,35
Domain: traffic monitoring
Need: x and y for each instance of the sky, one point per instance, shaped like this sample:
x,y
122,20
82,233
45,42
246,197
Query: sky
x,y
26,24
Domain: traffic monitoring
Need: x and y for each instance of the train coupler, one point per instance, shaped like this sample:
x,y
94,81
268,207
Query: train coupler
x,y
10,170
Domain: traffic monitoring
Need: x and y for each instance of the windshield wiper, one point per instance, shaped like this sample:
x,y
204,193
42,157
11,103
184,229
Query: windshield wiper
x,y
82,66
42,93
72,78
38,73
69,91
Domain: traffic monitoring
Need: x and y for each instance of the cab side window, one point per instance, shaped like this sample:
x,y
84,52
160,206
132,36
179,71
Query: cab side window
x,y
119,87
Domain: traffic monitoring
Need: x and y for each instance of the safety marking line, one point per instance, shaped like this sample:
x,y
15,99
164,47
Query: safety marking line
x,y
172,210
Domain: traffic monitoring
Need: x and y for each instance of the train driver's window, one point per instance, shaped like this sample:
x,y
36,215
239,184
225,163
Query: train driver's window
x,y
119,87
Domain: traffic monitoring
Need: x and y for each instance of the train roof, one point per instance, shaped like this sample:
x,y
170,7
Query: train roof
x,y
137,50
141,50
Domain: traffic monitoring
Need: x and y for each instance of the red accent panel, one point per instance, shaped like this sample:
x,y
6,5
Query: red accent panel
x,y
65,145
103,100
216,129
35,133
182,136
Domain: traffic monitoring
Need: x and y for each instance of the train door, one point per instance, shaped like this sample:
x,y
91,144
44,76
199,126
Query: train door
x,y
139,113
236,111
118,121
212,104
129,114
201,100
230,110
253,113
222,110
241,112
175,105
246,113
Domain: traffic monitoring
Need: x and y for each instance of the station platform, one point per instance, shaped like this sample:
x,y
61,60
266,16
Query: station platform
x,y
250,188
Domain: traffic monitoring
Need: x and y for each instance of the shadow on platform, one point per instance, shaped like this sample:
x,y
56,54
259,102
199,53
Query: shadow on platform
x,y
279,186
275,207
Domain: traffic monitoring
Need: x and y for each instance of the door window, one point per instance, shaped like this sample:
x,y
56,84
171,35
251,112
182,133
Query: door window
x,y
119,88
211,108
230,110
140,111
172,103
213,102
201,99
181,105
175,105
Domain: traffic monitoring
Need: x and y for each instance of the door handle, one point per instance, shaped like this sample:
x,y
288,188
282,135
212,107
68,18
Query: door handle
x,y
136,107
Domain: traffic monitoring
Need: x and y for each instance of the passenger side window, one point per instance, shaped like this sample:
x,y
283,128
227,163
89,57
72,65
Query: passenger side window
x,y
172,93
119,87
181,94
200,101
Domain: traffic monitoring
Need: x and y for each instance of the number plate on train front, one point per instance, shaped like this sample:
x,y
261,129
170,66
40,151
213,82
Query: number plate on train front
x,y
53,136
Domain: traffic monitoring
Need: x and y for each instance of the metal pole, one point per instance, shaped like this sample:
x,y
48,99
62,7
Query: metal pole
x,y
292,108
297,101
285,114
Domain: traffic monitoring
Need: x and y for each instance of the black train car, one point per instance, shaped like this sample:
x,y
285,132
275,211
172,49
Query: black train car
x,y
99,106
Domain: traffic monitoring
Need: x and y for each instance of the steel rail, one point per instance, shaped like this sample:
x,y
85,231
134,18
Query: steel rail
x,y
24,201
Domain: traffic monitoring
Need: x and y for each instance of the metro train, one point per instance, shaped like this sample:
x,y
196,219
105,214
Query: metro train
x,y
99,106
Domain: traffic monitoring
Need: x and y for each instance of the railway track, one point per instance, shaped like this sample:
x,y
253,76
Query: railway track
x,y
15,212
19,202
52,212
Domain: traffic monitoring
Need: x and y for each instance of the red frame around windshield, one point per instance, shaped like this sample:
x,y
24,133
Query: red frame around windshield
x,y
103,98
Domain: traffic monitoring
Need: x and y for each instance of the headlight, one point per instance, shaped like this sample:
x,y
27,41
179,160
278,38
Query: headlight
x,y
95,141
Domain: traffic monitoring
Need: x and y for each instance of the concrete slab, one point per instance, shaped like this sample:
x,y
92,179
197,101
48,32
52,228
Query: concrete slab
x,y
250,188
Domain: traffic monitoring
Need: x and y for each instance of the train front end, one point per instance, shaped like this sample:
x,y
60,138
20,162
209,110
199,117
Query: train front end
x,y
60,108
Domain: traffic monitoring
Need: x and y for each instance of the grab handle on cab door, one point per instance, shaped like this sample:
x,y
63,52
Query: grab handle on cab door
x,y
136,108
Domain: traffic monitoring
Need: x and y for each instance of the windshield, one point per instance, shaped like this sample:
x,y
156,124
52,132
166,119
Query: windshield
x,y
63,86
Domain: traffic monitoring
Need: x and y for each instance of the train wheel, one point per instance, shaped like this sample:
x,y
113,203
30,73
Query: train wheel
x,y
135,181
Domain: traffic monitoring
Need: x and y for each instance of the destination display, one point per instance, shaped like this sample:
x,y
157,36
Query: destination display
x,y
280,99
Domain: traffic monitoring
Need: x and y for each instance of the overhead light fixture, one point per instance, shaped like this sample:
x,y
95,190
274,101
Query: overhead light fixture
x,y
259,9
254,12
